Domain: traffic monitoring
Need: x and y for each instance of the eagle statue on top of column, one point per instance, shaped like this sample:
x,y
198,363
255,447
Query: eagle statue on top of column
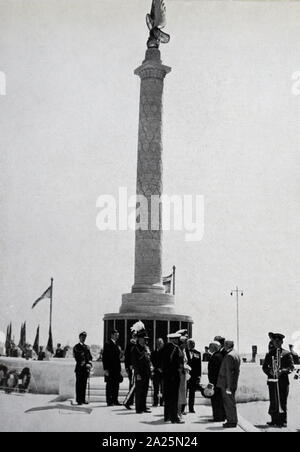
x,y
156,20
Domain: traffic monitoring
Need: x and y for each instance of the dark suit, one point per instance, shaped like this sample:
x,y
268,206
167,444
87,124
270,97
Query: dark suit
x,y
83,357
172,363
228,379
286,367
156,359
194,361
140,356
112,364
214,367
129,370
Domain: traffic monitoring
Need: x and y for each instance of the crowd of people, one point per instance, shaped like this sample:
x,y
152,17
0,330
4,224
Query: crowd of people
x,y
175,368
38,354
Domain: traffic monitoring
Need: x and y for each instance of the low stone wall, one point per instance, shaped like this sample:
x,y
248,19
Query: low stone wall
x,y
57,377
252,383
47,376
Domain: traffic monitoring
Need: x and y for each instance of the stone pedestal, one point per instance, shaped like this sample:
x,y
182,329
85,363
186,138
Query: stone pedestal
x,y
148,301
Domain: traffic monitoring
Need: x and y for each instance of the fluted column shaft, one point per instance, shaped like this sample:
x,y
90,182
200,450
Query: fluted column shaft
x,y
148,243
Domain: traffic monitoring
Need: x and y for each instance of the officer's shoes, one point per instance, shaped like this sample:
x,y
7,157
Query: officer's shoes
x,y
229,425
147,410
178,421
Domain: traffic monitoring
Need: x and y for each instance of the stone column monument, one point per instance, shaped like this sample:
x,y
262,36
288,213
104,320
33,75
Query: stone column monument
x,y
148,301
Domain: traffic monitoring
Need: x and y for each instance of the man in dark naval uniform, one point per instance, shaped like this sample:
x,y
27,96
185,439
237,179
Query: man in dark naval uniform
x,y
194,361
112,369
140,358
278,361
83,357
172,363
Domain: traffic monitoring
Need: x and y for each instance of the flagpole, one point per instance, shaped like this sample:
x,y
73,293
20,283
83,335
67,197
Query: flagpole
x,y
174,272
51,299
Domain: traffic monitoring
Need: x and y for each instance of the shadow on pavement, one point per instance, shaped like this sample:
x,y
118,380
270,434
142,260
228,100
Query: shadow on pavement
x,y
207,421
61,407
263,427
161,422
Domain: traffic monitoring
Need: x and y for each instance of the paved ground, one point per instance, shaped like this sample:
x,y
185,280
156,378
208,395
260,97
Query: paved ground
x,y
49,415
257,412
38,413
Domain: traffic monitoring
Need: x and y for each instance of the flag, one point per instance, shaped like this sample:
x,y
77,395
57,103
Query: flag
x,y
46,294
36,344
167,282
8,339
50,342
22,341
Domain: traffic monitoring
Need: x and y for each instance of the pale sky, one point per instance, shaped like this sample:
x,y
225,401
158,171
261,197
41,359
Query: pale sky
x,y
68,133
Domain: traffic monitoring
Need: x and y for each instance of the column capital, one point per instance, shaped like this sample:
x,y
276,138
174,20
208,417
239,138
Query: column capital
x,y
152,66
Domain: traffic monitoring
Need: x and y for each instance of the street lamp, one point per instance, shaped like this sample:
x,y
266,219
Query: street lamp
x,y
237,292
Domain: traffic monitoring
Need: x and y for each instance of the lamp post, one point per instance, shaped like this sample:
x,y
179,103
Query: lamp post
x,y
237,292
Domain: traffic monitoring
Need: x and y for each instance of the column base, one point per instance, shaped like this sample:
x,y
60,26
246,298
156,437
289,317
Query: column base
x,y
148,288
157,325
143,303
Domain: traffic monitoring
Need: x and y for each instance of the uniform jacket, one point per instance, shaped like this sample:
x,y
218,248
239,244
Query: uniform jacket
x,y
214,366
286,366
229,372
172,361
82,355
194,361
140,358
111,358
127,355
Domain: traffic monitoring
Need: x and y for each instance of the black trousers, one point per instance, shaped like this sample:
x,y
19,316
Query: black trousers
x,y
112,389
171,391
230,407
141,392
277,417
192,386
131,383
157,388
218,406
81,383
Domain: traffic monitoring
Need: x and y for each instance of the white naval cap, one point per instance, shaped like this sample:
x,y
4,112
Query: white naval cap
x,y
174,336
